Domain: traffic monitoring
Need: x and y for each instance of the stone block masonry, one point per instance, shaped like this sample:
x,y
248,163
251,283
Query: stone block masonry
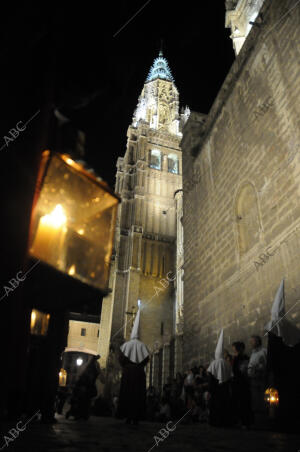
x,y
246,199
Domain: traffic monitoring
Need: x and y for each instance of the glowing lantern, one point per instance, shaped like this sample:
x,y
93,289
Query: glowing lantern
x,y
33,319
73,220
39,322
272,397
62,377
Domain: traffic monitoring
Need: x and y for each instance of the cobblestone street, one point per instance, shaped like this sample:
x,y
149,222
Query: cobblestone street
x,y
111,435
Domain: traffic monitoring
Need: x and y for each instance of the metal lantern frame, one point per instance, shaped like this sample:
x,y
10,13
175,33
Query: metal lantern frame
x,y
85,198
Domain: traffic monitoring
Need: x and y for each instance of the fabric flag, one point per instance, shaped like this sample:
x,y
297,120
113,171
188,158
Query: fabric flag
x,y
279,324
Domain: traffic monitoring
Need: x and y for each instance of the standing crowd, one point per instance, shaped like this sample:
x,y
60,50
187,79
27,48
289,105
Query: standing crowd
x,y
228,392
225,393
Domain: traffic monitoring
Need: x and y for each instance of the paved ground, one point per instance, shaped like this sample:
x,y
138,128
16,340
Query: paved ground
x,y
111,435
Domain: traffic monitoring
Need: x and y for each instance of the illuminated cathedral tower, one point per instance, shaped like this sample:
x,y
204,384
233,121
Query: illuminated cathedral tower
x,y
149,182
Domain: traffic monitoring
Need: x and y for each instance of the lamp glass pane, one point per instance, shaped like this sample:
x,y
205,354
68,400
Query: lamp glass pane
x,y
73,222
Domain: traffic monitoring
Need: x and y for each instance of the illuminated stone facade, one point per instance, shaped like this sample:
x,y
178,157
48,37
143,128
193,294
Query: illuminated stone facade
x,y
240,16
145,267
242,215
83,335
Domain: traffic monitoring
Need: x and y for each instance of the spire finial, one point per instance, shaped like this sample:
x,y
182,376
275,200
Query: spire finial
x,y
161,47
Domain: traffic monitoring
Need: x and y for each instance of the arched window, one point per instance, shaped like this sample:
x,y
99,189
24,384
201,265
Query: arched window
x,y
247,218
155,159
173,163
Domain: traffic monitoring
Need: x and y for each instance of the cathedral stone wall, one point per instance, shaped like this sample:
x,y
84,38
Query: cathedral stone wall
x,y
242,209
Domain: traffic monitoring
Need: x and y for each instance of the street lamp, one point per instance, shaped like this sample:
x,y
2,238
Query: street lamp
x,y
62,377
39,322
73,220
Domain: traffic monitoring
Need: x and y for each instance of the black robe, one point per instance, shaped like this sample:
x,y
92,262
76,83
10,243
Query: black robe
x,y
132,398
284,373
220,403
241,394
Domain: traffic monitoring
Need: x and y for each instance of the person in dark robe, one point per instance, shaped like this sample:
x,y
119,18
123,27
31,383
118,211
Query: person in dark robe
x,y
189,383
283,363
152,403
257,374
241,393
219,386
62,396
133,358
284,375
167,388
84,390
201,386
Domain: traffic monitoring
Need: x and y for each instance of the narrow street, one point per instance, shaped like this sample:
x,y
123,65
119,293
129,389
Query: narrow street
x,y
111,435
150,181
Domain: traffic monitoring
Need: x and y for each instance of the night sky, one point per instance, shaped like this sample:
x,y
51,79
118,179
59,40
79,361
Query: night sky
x,y
96,77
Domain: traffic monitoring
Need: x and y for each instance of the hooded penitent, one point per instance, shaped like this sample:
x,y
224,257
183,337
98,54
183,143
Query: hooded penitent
x,y
279,324
220,368
135,350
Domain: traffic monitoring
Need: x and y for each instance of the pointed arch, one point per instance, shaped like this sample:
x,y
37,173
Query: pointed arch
x,y
247,217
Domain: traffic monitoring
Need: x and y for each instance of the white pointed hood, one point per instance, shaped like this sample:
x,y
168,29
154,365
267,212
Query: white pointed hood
x,y
136,325
135,350
219,348
220,368
279,324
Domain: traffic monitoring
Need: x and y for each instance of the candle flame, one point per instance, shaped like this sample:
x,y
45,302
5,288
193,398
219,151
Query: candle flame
x,y
72,270
56,218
